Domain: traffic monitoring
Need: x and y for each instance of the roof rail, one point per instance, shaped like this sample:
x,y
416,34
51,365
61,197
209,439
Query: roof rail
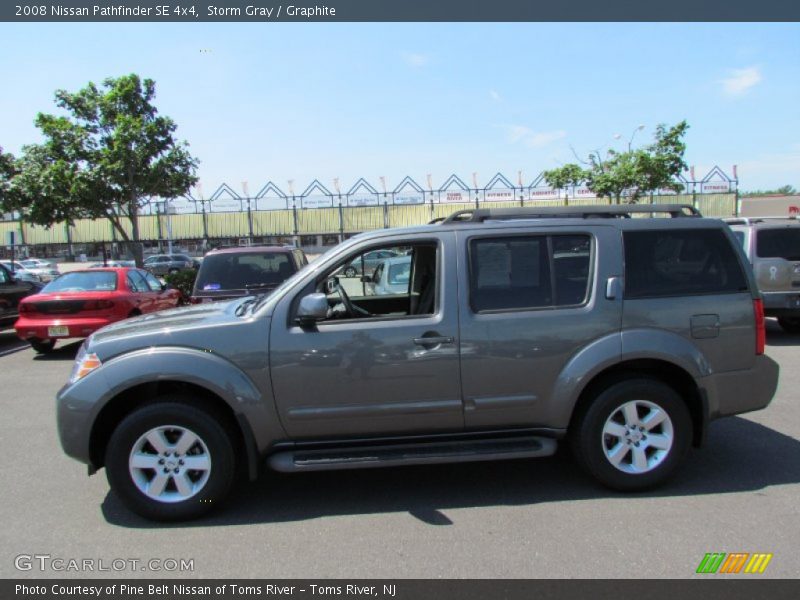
x,y
751,220
624,211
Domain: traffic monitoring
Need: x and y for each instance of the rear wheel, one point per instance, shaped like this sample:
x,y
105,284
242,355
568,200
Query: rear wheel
x,y
789,324
350,272
170,461
633,434
43,346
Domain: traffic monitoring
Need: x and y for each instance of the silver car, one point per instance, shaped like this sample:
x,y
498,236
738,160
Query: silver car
x,y
772,245
516,330
20,272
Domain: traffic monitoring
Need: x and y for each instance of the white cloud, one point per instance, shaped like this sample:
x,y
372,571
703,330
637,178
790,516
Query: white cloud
x,y
415,60
740,81
494,95
531,138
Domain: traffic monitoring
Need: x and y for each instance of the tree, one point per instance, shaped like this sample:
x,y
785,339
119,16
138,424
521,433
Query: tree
x,y
784,190
105,158
635,172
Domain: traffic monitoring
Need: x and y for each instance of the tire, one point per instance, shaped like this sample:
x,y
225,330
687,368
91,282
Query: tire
x,y
602,433
134,466
789,324
350,272
43,346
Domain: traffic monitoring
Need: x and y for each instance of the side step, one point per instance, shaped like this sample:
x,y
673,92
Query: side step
x,y
363,457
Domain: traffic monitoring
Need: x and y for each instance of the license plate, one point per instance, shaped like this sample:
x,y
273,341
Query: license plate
x,y
58,331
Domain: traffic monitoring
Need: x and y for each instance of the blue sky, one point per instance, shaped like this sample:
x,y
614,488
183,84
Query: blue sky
x,y
287,101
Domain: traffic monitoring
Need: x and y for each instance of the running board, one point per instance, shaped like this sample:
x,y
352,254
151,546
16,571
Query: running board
x,y
361,457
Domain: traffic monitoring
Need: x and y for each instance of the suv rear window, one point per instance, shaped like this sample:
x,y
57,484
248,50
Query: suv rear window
x,y
680,262
778,243
231,271
522,272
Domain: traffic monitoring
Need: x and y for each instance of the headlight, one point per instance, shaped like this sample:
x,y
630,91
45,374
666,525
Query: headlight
x,y
85,363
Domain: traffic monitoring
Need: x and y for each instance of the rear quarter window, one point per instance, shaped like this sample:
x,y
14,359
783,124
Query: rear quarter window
x,y
778,243
680,262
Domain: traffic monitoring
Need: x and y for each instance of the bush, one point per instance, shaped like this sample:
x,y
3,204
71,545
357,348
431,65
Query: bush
x,y
183,280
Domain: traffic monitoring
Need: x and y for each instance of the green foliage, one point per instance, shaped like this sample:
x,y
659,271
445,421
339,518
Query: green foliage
x,y
784,190
109,154
634,172
565,176
183,280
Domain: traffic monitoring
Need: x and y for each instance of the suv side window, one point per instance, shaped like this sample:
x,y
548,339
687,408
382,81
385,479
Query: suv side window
x,y
4,276
413,293
680,262
529,272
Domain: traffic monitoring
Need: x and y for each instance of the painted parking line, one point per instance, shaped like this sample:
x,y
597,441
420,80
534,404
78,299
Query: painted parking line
x,y
13,349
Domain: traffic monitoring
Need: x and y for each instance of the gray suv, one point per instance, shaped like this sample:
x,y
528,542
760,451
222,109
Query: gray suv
x,y
772,245
163,264
517,328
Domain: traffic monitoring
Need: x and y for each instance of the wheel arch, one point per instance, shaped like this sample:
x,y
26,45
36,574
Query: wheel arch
x,y
145,394
668,373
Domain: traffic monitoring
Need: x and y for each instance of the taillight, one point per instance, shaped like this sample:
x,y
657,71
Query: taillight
x,y
97,304
761,326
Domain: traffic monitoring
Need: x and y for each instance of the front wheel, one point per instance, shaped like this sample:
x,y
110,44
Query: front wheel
x,y
170,461
350,272
633,434
789,324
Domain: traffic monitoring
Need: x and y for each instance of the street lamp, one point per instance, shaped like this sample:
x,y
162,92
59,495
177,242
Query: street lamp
x,y
618,136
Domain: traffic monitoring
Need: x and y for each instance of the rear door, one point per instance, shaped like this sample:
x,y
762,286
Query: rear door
x,y
530,301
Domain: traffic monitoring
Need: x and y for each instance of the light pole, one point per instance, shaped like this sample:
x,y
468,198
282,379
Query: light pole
x,y
618,136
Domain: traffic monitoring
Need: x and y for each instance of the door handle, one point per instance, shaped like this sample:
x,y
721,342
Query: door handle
x,y
433,340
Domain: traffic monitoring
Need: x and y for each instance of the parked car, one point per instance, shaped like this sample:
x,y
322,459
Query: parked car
x,y
12,291
517,328
161,264
114,264
235,272
44,270
20,272
365,265
390,277
81,302
772,245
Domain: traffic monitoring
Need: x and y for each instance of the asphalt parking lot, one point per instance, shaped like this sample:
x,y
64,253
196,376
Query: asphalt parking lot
x,y
524,518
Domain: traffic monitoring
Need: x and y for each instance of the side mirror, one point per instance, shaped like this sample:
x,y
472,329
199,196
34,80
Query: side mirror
x,y
331,284
313,308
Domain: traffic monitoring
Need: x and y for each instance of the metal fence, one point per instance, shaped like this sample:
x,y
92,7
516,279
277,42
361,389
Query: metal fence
x,y
305,221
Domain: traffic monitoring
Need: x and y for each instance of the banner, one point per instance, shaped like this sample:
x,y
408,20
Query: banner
x,y
270,203
543,192
226,204
454,196
499,195
316,201
410,197
362,199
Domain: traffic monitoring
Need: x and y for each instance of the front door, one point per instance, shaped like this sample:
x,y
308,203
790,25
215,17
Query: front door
x,y
380,364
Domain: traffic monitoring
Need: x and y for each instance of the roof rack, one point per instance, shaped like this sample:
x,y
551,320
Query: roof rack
x,y
479,215
751,220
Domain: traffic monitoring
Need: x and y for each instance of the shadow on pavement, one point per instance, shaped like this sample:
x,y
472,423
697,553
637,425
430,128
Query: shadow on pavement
x,y
740,456
65,352
778,337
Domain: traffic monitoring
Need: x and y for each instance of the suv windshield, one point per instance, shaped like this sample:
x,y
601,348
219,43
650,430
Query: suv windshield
x,y
84,281
244,270
779,243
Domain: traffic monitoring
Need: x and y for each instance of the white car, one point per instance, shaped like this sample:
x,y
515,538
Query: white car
x,y
45,270
390,277
20,272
